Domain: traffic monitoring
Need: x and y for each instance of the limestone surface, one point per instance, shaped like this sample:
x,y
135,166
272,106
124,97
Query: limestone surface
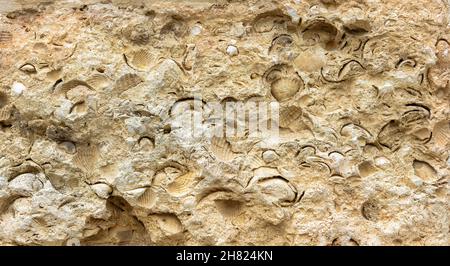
x,y
93,150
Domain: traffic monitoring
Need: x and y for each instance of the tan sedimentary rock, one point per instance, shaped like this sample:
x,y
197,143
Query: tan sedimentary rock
x,y
93,95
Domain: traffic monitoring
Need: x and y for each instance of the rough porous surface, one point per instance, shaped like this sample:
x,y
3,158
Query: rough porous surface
x,y
89,153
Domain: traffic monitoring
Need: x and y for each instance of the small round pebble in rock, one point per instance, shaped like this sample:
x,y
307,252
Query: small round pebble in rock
x,y
232,50
17,88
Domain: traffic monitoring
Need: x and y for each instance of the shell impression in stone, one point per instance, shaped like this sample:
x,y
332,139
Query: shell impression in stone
x,y
127,81
98,81
441,133
86,157
139,60
284,82
222,149
182,184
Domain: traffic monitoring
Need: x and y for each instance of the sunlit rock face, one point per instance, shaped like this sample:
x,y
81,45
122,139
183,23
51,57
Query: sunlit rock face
x,y
96,148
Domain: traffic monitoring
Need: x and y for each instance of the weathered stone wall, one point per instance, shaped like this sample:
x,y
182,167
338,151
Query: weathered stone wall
x,y
90,152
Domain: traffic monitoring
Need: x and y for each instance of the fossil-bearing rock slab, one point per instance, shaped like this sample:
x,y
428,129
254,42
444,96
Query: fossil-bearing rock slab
x,y
91,154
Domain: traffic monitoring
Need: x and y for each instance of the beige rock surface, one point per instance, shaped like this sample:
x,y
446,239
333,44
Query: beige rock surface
x,y
89,152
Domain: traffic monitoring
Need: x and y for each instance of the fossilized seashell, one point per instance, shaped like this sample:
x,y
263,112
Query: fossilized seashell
x,y
5,36
102,190
366,169
222,149
290,115
285,88
391,135
341,73
424,170
98,81
138,34
147,199
182,184
441,133
320,31
25,185
140,60
146,143
28,68
86,157
281,43
63,88
176,26
169,223
255,162
135,193
357,27
269,21
278,190
284,82
127,81
418,115
228,207
370,210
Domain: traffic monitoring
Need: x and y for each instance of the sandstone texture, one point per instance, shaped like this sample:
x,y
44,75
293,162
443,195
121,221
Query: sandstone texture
x,y
91,152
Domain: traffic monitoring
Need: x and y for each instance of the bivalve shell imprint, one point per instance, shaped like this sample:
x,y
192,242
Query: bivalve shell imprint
x,y
182,184
441,133
284,82
127,81
139,60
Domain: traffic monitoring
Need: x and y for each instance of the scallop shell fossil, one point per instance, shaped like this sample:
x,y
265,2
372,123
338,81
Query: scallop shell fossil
x,y
182,184
98,81
441,133
86,157
127,81
139,60
222,149
284,82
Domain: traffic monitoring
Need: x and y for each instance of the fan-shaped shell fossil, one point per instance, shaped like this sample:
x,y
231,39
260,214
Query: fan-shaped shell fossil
x,y
182,184
228,207
86,157
147,199
441,133
222,149
290,115
140,59
285,88
63,88
98,81
284,82
127,81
